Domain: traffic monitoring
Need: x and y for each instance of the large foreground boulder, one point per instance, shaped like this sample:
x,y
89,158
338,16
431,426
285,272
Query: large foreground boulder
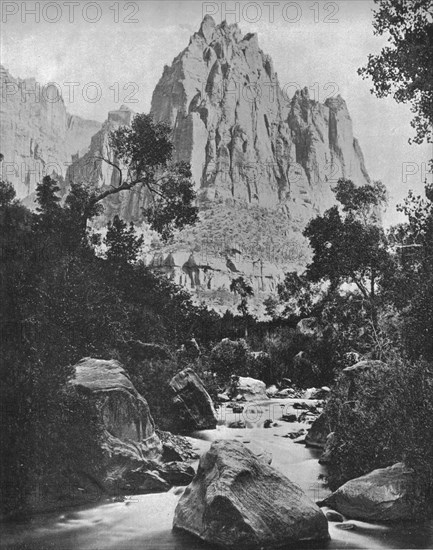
x,y
126,458
251,389
134,459
237,501
388,494
194,405
129,442
129,430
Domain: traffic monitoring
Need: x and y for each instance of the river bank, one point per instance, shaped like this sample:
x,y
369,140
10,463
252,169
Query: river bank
x,y
145,521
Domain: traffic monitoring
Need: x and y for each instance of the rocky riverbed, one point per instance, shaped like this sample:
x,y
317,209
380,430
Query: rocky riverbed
x,y
145,521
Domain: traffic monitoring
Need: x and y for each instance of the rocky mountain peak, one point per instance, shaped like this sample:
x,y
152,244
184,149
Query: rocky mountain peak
x,y
263,163
336,103
207,28
245,139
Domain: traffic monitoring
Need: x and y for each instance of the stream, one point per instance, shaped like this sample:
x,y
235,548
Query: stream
x,y
144,521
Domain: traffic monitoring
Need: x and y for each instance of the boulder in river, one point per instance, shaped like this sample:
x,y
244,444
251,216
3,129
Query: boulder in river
x,y
175,447
137,459
176,473
236,501
251,389
272,391
142,480
387,494
291,417
237,424
129,430
196,410
129,441
295,435
223,397
286,392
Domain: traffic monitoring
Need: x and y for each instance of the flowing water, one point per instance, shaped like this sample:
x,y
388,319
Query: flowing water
x,y
144,521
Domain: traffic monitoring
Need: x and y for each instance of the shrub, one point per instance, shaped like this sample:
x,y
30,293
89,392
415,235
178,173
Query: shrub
x,y
384,416
229,357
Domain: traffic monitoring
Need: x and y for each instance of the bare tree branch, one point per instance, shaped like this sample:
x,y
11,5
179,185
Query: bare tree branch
x,y
361,287
114,166
124,187
154,190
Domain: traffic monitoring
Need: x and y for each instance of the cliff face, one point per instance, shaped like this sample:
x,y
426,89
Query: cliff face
x,y
38,135
245,140
247,143
263,164
92,170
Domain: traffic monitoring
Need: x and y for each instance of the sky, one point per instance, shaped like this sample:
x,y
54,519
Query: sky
x,y
102,54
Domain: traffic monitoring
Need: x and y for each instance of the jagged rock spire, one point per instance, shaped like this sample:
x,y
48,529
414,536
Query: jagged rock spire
x,y
245,139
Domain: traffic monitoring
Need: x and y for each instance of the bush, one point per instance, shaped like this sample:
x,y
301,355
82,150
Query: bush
x,y
229,357
314,367
383,417
281,348
235,358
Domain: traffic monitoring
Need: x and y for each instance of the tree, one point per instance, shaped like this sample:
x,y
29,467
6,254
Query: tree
x,y
363,202
229,358
245,291
49,208
409,286
122,243
47,196
297,292
171,208
350,248
7,193
404,68
145,149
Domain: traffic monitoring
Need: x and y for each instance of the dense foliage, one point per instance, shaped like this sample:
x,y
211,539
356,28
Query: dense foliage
x,y
381,417
384,415
61,302
403,68
146,150
368,295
